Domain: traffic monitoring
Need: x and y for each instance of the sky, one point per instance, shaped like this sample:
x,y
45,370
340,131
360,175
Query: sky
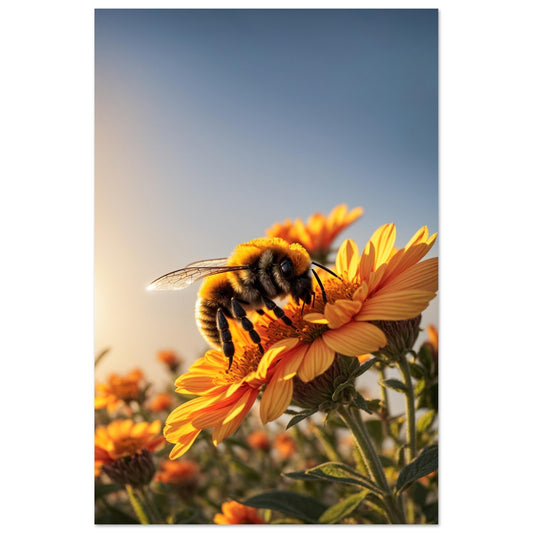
x,y
212,125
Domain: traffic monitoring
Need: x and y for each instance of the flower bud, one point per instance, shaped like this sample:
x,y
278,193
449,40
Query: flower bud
x,y
135,470
401,336
320,393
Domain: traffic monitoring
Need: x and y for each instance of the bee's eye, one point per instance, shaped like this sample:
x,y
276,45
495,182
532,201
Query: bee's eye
x,y
286,267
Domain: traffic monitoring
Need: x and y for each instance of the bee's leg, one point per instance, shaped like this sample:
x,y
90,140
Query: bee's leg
x,y
228,347
278,311
240,313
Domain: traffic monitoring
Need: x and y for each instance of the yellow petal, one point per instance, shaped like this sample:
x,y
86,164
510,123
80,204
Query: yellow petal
x,y
315,318
399,305
367,262
340,312
383,239
181,447
230,424
421,276
273,352
276,399
347,259
289,365
356,338
318,359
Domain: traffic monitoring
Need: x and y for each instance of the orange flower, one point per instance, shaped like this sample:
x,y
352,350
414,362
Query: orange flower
x,y
433,340
382,284
318,234
118,390
285,445
237,513
160,402
178,473
170,359
258,440
123,438
224,396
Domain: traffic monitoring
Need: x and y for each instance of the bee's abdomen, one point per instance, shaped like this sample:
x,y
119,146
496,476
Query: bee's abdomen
x,y
206,313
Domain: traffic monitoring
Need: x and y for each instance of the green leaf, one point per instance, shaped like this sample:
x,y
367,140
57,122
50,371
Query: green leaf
x,y
424,464
360,403
375,429
335,472
291,503
417,371
394,384
366,366
425,421
302,415
426,358
420,386
337,512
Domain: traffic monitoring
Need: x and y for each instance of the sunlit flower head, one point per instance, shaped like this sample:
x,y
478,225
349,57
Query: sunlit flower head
x,y
224,396
118,390
383,283
237,513
125,439
160,402
318,234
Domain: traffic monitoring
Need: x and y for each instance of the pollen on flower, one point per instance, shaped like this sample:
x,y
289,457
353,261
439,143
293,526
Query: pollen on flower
x,y
305,331
245,362
338,289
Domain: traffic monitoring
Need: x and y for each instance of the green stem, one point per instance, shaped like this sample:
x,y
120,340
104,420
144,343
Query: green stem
x,y
136,504
152,509
353,420
385,401
409,406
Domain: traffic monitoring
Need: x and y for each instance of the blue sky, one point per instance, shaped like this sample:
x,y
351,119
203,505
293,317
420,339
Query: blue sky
x,y
212,125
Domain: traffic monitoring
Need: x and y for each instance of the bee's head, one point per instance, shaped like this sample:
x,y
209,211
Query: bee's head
x,y
300,284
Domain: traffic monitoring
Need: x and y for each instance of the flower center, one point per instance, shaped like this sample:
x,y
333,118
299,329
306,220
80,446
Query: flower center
x,y
277,330
127,446
338,289
245,362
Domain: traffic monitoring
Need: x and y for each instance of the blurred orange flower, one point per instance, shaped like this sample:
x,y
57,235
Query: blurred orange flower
x,y
285,445
433,340
178,473
237,513
170,359
118,390
382,284
125,438
318,234
258,440
160,402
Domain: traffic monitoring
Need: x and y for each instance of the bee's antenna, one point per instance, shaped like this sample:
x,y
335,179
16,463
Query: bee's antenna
x,y
325,268
320,284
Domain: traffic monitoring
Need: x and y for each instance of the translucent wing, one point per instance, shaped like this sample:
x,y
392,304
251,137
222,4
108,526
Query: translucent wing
x,y
179,279
209,262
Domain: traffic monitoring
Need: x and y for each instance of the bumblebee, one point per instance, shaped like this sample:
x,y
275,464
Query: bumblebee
x,y
250,279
